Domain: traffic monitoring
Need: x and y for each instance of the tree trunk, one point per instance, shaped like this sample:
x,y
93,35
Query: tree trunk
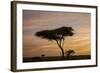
x,y
61,48
62,51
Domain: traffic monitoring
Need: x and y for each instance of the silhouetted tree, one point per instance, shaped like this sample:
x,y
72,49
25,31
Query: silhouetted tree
x,y
69,53
57,34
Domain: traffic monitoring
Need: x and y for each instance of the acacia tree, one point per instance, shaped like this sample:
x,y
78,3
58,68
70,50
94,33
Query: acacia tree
x,y
57,35
69,53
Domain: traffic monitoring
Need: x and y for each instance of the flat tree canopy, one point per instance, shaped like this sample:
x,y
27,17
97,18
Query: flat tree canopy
x,y
55,34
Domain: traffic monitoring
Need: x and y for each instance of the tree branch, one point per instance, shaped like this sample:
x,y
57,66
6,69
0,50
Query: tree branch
x,y
59,45
62,42
57,42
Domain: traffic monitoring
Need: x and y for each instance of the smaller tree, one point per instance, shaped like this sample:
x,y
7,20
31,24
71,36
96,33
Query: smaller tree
x,y
70,53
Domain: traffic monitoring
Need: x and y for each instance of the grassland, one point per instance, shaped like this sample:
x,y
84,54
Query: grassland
x,y
56,58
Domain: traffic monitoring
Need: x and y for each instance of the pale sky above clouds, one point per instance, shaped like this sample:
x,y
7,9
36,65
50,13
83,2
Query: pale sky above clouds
x,y
34,21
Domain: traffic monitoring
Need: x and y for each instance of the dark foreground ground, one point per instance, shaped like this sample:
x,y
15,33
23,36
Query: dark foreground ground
x,y
57,58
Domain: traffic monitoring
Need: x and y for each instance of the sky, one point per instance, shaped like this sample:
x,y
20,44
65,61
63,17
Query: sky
x,y
34,21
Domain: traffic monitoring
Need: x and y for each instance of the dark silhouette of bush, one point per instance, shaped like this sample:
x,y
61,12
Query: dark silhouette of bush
x,y
70,53
43,55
